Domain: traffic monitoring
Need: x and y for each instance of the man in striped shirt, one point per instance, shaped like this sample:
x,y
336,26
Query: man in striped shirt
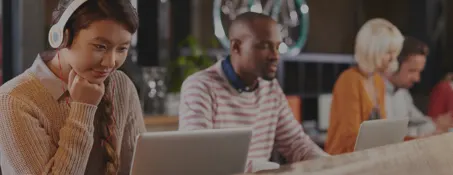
x,y
241,91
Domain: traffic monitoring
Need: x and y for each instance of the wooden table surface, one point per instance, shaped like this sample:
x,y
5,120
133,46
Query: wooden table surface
x,y
161,123
432,155
160,120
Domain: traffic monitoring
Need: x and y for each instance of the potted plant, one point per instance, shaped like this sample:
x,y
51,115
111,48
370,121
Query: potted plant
x,y
184,66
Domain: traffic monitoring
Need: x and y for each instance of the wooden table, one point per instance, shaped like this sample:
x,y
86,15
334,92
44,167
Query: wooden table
x,y
161,123
432,155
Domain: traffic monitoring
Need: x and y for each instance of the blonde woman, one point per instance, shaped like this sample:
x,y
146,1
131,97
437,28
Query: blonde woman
x,y
358,94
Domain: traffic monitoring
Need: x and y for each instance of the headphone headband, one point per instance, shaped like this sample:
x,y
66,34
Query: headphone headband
x,y
56,32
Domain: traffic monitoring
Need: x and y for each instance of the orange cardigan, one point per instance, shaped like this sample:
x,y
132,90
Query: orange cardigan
x,y
350,107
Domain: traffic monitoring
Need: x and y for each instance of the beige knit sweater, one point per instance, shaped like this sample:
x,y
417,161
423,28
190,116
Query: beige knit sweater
x,y
41,135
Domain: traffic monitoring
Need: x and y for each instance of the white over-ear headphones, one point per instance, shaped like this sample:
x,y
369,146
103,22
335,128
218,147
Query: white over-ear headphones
x,y
56,33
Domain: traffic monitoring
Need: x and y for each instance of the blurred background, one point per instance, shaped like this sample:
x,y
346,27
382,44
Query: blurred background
x,y
179,37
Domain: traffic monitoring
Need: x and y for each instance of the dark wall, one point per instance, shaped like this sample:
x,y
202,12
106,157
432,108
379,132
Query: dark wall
x,y
147,42
180,24
332,26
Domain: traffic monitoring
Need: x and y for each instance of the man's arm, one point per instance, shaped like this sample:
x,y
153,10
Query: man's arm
x,y
427,126
195,108
290,138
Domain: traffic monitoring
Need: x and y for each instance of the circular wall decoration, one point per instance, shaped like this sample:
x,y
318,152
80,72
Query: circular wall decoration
x,y
292,16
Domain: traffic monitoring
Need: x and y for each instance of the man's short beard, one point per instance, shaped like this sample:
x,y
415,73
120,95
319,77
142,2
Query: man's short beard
x,y
268,78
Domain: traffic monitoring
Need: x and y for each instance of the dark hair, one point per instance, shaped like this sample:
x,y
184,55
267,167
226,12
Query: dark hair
x,y
412,46
124,13
247,18
121,11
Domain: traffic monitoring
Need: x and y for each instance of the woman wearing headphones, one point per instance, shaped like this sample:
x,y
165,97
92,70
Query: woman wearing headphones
x,y
358,94
74,113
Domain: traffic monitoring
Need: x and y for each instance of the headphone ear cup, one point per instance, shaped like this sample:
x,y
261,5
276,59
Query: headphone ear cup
x,y
55,36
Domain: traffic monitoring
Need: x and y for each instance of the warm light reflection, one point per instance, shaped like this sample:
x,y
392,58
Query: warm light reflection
x,y
256,8
283,48
304,8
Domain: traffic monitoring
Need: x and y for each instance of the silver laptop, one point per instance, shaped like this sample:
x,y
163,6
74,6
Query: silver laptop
x,y
375,133
201,152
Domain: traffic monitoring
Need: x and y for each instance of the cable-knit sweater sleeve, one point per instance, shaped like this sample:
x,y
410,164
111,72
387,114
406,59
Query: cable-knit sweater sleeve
x,y
27,147
134,126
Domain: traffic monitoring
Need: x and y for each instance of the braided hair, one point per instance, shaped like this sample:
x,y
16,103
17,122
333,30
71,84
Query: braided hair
x,y
107,128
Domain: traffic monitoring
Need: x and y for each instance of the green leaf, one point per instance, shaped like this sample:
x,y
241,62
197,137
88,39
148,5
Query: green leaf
x,y
214,43
182,60
184,66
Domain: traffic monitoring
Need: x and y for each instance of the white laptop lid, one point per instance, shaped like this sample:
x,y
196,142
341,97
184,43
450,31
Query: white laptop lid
x,y
201,152
375,133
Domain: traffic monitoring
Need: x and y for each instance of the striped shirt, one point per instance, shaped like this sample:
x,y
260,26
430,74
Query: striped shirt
x,y
208,101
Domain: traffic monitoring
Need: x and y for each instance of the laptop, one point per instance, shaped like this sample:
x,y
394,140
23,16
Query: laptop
x,y
200,152
375,133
